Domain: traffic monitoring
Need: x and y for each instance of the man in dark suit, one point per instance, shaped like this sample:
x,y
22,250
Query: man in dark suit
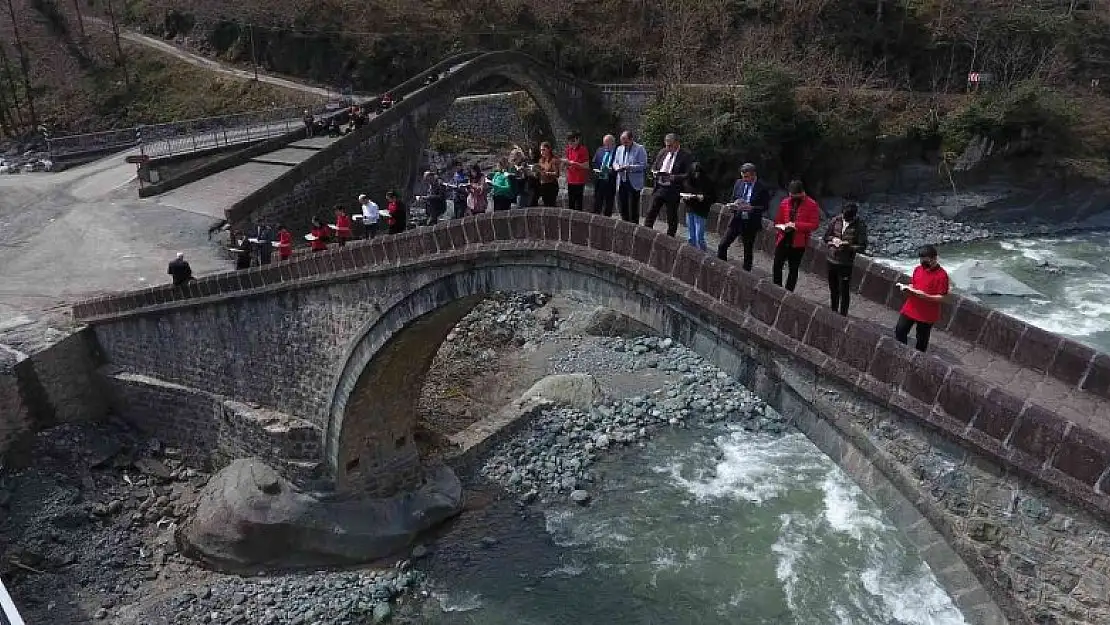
x,y
751,198
671,167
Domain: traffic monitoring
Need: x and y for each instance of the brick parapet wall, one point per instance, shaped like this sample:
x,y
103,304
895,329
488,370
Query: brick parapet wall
x,y
1016,433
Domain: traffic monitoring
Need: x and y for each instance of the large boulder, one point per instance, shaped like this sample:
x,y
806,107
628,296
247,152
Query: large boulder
x,y
248,517
574,390
979,278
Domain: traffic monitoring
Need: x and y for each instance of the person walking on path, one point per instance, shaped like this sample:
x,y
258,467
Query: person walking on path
x,y
671,167
797,218
751,198
928,287
700,194
846,236
630,161
576,159
342,226
319,232
180,270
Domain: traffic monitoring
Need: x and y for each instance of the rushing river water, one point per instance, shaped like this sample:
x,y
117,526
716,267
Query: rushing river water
x,y
705,525
1071,274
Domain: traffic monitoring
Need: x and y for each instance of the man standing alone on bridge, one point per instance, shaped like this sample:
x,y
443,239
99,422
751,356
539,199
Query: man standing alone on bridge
x,y
180,270
671,167
630,161
928,287
605,189
577,160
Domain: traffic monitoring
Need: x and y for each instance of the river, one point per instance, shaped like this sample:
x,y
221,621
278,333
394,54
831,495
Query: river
x,y
1071,273
710,524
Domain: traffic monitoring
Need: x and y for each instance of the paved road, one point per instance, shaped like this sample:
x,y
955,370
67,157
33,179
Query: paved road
x,y
69,235
209,64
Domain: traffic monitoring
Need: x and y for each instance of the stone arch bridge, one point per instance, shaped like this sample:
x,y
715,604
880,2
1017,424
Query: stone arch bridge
x,y
313,363
387,152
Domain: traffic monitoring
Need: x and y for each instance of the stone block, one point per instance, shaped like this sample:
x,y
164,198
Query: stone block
x,y
1001,333
826,331
601,233
924,378
712,276
580,228
998,414
962,394
739,289
859,269
858,345
1083,455
687,265
1039,433
816,258
442,234
878,283
501,229
890,362
470,228
533,224
1037,349
485,228
457,233
794,315
624,234
664,252
643,241
1098,376
766,302
968,320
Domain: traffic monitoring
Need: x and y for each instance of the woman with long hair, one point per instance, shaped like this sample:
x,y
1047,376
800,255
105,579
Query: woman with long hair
x,y
699,194
478,202
550,169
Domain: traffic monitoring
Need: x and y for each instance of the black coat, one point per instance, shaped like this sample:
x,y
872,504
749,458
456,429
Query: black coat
x,y
761,201
703,186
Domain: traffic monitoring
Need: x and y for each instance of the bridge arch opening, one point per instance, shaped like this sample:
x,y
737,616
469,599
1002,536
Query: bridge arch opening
x,y
367,432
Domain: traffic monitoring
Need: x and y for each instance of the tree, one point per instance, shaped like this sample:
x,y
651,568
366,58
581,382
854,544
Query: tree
x,y
121,60
24,66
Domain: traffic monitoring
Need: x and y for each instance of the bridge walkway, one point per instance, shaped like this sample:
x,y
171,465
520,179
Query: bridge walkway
x,y
211,196
1073,404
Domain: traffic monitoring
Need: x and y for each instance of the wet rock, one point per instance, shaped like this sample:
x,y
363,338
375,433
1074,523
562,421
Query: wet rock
x,y
237,525
580,497
154,468
576,390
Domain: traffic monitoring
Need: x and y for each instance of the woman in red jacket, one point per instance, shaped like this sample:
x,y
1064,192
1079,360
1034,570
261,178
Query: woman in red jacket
x,y
285,243
798,216
319,242
576,159
342,226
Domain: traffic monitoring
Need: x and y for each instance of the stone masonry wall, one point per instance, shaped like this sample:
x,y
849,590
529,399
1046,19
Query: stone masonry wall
x,y
15,415
494,117
212,430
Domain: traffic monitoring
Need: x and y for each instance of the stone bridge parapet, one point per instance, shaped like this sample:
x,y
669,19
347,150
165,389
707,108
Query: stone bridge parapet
x,y
1032,438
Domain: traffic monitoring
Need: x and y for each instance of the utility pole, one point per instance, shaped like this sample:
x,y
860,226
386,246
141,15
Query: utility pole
x,y
254,52
24,65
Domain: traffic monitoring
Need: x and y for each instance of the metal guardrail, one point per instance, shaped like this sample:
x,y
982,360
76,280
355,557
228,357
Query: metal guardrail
x,y
186,136
8,614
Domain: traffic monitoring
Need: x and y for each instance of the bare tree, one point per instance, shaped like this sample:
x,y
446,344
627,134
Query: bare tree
x,y
121,60
24,65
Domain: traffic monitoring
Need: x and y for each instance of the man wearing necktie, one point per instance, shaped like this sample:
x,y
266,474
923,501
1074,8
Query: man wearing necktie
x,y
605,188
630,162
750,199
671,167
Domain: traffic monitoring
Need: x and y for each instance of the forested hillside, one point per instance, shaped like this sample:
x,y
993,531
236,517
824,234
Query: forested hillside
x,y
825,74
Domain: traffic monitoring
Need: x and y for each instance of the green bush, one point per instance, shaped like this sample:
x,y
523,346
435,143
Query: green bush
x,y
1027,119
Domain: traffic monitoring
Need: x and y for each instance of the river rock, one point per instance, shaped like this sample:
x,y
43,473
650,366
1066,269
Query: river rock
x,y
979,278
602,321
580,497
248,516
575,390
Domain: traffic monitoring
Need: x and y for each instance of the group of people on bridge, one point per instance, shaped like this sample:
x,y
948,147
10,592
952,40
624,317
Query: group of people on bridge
x,y
618,170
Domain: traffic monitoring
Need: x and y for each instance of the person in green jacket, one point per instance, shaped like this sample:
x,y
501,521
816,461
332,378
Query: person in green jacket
x,y
504,191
